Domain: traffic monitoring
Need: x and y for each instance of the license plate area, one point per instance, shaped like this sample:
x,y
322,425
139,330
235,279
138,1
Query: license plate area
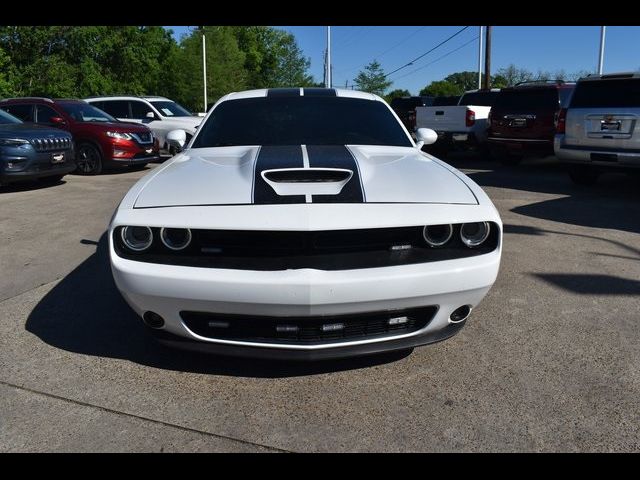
x,y
610,126
518,122
57,158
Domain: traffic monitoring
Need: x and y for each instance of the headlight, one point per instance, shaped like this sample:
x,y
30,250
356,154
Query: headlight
x,y
13,142
437,235
175,238
137,239
474,234
120,135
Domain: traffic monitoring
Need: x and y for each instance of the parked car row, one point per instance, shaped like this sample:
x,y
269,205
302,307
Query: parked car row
x,y
591,125
97,138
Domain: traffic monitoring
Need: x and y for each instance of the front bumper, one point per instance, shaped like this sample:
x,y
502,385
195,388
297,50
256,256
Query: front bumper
x,y
168,289
135,160
37,166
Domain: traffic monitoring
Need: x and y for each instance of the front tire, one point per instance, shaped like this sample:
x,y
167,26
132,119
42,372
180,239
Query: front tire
x,y
88,159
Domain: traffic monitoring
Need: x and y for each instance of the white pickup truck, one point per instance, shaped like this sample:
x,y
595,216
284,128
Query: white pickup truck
x,y
463,126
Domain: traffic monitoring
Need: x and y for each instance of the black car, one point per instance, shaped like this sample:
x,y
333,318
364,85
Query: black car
x,y
29,152
405,108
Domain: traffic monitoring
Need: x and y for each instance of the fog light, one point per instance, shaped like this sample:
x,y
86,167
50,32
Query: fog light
x,y
398,321
437,235
460,314
137,239
153,320
119,153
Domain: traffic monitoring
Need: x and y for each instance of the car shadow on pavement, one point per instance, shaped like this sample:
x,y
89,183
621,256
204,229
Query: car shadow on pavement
x,y
613,203
31,185
85,313
591,284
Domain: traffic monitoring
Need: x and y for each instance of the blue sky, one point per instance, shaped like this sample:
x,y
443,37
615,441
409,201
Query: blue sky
x,y
571,48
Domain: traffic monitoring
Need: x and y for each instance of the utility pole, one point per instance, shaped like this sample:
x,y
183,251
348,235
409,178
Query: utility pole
x,y
487,59
480,57
204,69
603,31
327,82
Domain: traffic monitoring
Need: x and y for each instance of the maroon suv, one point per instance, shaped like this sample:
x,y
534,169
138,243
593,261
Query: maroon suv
x,y
523,119
100,140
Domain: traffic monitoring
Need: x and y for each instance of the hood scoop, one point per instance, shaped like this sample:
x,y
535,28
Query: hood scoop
x,y
307,181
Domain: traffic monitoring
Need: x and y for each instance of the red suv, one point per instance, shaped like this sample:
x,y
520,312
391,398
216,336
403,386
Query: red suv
x,y
100,140
524,118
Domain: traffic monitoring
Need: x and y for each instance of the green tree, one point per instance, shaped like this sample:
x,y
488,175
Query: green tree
x,y
463,80
440,88
6,76
513,75
398,93
372,79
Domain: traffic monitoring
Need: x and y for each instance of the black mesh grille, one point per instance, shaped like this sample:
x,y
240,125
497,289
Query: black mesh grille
x,y
144,137
308,330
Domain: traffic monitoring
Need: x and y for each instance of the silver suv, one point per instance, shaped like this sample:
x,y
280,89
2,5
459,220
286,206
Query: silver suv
x,y
600,130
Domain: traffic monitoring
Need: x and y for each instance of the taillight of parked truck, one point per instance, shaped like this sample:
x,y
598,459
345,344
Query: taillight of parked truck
x,y
470,118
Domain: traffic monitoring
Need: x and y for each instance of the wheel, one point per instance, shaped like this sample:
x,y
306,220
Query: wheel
x,y
88,159
583,176
139,166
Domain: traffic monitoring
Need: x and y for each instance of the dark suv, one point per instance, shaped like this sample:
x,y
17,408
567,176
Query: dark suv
x,y
405,108
29,152
523,119
100,139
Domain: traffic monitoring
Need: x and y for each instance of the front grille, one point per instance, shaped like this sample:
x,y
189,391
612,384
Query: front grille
x,y
50,144
308,330
143,138
322,250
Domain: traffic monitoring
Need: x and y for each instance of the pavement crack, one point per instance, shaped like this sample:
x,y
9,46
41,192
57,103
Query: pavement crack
x,y
147,419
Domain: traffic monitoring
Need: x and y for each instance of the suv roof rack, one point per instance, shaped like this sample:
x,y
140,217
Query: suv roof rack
x,y
605,76
541,82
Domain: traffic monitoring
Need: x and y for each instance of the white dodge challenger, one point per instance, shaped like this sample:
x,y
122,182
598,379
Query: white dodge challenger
x,y
304,224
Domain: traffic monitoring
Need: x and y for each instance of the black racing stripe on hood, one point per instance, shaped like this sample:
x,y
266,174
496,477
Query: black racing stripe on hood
x,y
283,92
320,92
337,156
270,157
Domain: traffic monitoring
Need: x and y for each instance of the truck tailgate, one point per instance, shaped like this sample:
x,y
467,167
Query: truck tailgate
x,y
442,119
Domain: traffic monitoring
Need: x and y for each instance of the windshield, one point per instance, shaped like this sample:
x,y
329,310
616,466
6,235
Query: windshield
x,y
83,112
6,118
301,121
171,109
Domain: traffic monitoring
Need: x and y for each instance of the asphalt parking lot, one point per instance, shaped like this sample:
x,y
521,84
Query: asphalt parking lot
x,y
550,361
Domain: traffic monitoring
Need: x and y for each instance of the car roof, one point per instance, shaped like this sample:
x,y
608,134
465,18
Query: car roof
x,y
126,97
610,76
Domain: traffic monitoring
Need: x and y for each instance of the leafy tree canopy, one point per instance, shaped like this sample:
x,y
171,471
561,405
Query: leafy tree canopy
x,y
372,79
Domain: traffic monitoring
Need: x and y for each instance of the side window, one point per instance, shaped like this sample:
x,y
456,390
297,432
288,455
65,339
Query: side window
x,y
115,108
44,114
139,110
23,111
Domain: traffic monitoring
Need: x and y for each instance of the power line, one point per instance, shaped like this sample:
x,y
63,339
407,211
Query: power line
x,y
437,59
375,57
427,52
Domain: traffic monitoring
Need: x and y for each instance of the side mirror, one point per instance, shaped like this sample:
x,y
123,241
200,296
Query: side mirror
x,y
150,115
425,136
177,139
57,121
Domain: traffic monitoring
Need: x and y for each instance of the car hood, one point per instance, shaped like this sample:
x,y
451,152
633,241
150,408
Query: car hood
x,y
186,121
303,174
30,130
119,126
